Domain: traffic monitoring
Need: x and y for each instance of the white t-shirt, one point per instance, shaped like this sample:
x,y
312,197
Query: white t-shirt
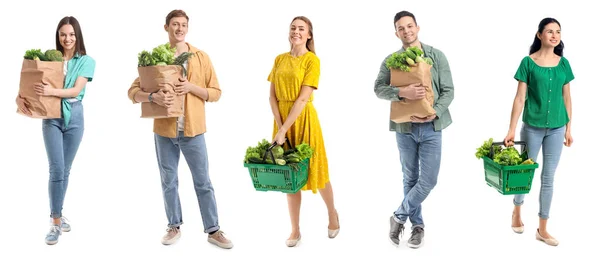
x,y
180,119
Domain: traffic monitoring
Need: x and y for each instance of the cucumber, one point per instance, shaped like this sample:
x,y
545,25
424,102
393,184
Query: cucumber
x,y
410,54
289,151
255,160
294,155
280,161
293,160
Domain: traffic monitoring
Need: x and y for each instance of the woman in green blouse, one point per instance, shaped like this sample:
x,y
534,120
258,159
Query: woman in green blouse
x,y
543,94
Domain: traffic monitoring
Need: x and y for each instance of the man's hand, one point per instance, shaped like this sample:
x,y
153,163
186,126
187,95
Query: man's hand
x,y
183,86
163,98
412,92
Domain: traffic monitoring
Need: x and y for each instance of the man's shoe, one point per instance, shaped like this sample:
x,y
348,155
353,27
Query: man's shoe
x,y
416,238
396,230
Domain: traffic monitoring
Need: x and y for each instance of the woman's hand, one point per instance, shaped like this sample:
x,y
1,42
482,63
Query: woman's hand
x,y
509,140
43,89
23,106
279,137
568,138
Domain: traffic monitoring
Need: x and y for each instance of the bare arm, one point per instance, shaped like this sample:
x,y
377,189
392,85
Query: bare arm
x,y
518,104
567,99
297,107
200,92
70,92
275,106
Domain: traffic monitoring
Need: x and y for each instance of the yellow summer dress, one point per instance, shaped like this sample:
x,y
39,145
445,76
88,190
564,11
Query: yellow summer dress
x,y
288,75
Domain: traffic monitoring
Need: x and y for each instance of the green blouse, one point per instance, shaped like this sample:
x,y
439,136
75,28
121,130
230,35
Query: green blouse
x,y
544,103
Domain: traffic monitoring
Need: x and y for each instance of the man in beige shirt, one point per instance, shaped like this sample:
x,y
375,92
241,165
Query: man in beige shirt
x,y
185,134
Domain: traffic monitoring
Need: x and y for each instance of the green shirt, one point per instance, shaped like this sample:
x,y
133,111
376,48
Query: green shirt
x,y
544,103
443,89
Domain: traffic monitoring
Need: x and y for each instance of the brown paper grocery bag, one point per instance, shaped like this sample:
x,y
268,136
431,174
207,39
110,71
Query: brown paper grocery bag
x,y
401,111
163,78
36,71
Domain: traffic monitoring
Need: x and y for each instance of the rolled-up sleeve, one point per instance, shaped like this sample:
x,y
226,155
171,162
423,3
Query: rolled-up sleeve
x,y
135,87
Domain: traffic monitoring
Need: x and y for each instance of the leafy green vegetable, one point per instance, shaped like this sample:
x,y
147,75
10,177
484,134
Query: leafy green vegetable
x,y
506,156
51,55
409,58
145,59
484,150
163,55
291,157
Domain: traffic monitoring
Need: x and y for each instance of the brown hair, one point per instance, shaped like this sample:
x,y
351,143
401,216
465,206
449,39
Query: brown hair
x,y
310,43
79,45
176,13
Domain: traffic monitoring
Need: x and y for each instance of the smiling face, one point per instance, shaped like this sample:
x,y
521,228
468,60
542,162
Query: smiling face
x,y
177,29
407,30
550,36
299,33
66,37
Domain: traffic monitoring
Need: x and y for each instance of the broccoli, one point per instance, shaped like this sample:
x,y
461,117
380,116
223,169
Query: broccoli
x,y
54,55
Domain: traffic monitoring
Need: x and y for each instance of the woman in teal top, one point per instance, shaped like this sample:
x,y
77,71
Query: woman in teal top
x,y
63,135
544,93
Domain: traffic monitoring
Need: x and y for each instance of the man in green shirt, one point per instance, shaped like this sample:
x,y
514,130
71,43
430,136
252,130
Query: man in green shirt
x,y
419,141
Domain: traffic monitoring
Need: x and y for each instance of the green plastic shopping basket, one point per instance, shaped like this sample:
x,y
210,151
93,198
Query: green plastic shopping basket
x,y
509,180
288,178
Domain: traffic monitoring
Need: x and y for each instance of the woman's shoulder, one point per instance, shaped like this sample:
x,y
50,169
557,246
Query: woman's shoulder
x,y
86,58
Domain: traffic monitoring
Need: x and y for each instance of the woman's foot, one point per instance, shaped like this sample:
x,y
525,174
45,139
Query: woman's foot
x,y
293,239
334,225
517,224
545,237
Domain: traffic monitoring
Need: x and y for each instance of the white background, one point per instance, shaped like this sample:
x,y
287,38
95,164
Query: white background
x,y
114,197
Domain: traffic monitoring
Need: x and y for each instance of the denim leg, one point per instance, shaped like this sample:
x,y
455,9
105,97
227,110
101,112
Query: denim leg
x,y
53,140
61,145
72,137
409,159
196,156
167,155
534,138
551,150
428,152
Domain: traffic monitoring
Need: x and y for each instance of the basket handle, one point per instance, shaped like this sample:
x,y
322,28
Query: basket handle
x,y
502,143
270,150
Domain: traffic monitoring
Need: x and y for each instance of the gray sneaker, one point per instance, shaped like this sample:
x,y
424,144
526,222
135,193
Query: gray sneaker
x,y
416,237
396,230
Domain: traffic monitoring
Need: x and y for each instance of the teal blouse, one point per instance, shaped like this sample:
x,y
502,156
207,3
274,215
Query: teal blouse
x,y
78,66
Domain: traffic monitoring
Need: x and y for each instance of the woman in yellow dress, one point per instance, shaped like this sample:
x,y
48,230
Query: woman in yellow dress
x,y
294,76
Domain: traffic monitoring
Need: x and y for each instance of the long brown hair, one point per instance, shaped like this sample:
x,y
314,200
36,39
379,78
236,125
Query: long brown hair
x,y
79,45
310,43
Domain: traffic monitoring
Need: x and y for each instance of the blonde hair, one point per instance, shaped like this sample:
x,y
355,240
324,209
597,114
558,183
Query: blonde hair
x,y
310,43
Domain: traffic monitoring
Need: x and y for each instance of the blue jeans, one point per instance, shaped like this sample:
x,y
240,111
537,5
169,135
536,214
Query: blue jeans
x,y
422,147
61,146
551,142
194,151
